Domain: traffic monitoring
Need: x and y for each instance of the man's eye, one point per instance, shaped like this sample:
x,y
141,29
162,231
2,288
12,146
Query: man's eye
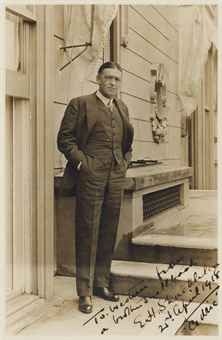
x,y
112,78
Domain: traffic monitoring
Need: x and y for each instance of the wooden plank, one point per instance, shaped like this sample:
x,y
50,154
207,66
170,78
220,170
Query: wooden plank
x,y
138,87
136,64
17,84
26,316
28,165
142,130
19,302
174,143
20,110
9,193
12,295
144,149
23,12
49,152
143,110
155,19
153,56
170,14
150,52
33,101
137,108
40,133
142,26
89,87
99,62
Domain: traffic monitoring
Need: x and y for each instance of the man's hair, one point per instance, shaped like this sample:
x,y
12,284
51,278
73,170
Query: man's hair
x,y
109,64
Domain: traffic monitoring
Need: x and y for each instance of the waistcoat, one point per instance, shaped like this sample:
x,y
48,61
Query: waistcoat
x,y
105,139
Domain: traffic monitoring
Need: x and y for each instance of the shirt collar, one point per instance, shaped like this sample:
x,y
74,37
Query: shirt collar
x,y
104,99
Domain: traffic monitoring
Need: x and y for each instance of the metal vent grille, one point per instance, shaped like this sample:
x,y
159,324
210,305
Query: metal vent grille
x,y
155,202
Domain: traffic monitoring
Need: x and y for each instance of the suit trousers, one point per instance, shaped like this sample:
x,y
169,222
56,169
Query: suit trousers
x,y
98,201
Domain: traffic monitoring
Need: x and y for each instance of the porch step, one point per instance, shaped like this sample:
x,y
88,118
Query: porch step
x,y
22,311
172,248
170,282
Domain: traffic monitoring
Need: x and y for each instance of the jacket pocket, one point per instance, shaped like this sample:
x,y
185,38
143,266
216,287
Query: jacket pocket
x,y
91,164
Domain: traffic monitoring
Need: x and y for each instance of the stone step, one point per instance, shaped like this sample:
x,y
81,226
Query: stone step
x,y
178,249
170,282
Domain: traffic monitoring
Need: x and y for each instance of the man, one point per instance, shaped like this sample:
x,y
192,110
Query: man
x,y
96,137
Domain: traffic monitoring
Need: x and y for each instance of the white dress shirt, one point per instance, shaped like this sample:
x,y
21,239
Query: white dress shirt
x,y
106,101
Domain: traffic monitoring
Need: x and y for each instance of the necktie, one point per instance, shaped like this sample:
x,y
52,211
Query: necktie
x,y
110,104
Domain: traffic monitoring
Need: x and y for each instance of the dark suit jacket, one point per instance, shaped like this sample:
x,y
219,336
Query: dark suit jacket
x,y
77,123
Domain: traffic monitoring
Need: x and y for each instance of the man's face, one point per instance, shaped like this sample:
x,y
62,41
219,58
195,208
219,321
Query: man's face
x,y
109,82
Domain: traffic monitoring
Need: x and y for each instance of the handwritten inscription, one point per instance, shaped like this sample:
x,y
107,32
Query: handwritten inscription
x,y
140,311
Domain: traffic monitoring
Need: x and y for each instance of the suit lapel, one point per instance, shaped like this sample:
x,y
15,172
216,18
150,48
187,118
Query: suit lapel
x,y
122,112
91,111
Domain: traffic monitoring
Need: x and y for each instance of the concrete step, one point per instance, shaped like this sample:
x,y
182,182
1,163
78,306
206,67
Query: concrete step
x,y
170,282
187,236
178,249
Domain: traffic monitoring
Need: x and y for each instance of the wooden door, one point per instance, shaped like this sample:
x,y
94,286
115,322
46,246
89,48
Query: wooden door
x,y
20,163
203,129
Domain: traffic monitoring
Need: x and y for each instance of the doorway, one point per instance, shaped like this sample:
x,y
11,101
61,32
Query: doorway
x,y
202,126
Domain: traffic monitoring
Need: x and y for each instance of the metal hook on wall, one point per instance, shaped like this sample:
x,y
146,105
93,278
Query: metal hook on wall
x,y
85,45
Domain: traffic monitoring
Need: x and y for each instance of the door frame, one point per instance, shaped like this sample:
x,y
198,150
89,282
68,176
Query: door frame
x,y
41,242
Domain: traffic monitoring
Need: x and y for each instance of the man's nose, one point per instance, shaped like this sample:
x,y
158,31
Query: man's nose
x,y
113,81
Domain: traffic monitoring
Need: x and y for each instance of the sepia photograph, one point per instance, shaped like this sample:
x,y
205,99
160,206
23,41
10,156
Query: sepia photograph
x,y
110,164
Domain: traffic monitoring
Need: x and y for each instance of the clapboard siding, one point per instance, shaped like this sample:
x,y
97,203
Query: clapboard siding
x,y
62,80
140,24
158,22
153,38
136,64
144,149
153,56
169,15
142,88
92,77
90,87
142,110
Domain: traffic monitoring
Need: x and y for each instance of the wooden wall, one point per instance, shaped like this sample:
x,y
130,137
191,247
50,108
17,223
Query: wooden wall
x,y
61,81
153,38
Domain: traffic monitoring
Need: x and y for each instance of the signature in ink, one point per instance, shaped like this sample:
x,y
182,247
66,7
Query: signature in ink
x,y
169,308
116,311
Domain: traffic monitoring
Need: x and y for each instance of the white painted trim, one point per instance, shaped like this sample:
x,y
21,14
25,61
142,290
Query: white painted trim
x,y
40,95
23,12
19,111
17,84
9,192
49,151
45,153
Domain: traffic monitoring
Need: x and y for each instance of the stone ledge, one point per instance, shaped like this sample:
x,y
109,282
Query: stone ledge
x,y
145,177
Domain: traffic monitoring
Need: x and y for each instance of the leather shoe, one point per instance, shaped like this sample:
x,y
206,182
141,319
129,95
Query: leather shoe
x,y
85,304
105,294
